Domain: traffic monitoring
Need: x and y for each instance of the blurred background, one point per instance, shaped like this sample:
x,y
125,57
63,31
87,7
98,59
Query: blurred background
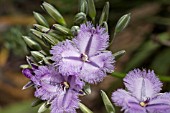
x,y
146,41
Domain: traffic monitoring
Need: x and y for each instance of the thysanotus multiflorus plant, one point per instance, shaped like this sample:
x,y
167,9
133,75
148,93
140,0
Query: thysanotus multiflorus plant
x,y
64,61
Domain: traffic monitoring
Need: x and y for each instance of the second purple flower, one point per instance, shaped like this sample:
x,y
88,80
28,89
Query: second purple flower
x,y
143,94
60,91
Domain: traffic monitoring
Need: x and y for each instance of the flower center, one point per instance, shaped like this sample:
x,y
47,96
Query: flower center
x,y
84,57
66,85
143,104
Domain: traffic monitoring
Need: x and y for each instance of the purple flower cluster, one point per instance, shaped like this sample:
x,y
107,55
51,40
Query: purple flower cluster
x,y
82,59
85,59
143,95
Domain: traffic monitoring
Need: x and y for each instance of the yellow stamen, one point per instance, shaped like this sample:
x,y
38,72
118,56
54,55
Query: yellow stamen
x,y
143,104
66,85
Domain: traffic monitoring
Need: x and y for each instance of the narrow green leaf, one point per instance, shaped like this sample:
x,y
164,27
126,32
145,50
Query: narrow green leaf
x,y
47,60
80,18
50,39
56,36
24,66
37,55
28,85
29,60
87,89
39,39
53,12
105,25
41,28
40,19
43,108
39,34
61,29
36,102
122,23
84,109
36,33
91,9
118,54
31,43
83,6
105,14
108,105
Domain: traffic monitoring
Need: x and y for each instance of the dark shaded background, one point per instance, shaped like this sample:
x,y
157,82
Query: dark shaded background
x,y
146,41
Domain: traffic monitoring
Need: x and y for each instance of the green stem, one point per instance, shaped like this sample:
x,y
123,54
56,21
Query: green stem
x,y
122,75
118,74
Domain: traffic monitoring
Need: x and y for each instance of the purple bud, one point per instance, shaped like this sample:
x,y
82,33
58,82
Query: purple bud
x,y
28,72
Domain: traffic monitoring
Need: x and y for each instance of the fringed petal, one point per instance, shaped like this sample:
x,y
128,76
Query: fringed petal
x,y
96,68
64,49
70,67
47,82
67,58
128,103
159,104
142,84
44,94
65,103
91,73
75,83
104,60
91,40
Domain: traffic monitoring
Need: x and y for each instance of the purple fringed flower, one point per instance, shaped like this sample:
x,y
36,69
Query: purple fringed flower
x,y
86,54
61,91
143,95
